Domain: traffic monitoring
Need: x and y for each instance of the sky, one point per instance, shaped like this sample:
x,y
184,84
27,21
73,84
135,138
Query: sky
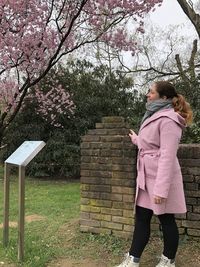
x,y
170,13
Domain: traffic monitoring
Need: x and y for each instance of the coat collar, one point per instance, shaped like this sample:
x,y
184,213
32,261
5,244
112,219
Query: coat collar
x,y
169,113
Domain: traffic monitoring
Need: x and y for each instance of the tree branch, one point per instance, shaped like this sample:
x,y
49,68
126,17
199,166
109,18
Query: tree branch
x,y
191,14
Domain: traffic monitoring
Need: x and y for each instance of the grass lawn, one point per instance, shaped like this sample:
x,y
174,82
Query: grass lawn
x,y
56,202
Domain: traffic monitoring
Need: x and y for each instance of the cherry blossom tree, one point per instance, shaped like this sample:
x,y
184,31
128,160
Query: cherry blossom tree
x,y
36,34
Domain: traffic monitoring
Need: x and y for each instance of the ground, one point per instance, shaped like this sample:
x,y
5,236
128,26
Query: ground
x,y
93,254
88,250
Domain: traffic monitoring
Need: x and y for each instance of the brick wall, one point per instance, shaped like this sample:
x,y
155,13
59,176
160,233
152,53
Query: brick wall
x,y
108,173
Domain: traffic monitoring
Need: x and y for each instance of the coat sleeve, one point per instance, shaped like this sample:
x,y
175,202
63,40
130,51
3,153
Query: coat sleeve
x,y
170,134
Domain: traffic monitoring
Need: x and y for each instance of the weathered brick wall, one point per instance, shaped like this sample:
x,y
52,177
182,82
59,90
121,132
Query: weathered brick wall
x,y
108,173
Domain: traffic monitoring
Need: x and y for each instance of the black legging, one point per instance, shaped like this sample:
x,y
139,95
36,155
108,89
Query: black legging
x,y
142,233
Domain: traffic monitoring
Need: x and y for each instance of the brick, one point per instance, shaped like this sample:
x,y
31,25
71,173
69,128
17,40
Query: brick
x,y
100,217
118,205
112,211
99,145
192,193
191,200
122,205
191,186
122,190
123,168
97,132
88,194
84,215
114,138
191,224
122,175
185,170
99,125
128,198
85,187
85,208
95,209
89,180
111,152
101,160
191,151
85,145
85,159
196,209
128,228
128,213
189,208
181,231
193,216
124,161
112,119
130,153
116,197
128,205
116,131
123,182
188,178
194,170
90,138
193,232
180,216
105,174
90,152
105,196
122,220
100,188
100,203
111,225
85,201
190,162
114,125
85,173
197,179
179,222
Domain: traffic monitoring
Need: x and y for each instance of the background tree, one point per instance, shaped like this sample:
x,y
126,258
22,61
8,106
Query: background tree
x,y
34,35
95,92
188,8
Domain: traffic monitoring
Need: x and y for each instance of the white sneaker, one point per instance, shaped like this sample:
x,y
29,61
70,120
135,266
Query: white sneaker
x,y
165,262
128,262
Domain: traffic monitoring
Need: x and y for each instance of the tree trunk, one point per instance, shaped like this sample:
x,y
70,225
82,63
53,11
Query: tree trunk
x,y
191,14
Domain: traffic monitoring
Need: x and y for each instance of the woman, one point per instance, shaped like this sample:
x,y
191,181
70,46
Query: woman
x,y
159,182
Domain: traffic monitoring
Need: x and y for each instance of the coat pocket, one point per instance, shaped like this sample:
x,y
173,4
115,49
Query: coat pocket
x,y
151,165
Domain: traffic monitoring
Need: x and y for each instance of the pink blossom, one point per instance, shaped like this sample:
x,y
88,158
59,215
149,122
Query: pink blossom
x,y
34,35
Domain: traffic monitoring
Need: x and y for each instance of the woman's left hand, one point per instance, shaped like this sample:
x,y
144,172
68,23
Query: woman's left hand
x,y
158,200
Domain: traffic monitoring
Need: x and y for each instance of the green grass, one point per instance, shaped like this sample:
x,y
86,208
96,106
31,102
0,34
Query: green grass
x,y
58,202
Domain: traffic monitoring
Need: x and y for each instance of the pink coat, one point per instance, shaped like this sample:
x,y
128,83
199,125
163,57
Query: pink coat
x,y
159,172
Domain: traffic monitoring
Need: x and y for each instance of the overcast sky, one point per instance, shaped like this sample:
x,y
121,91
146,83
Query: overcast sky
x,y
170,13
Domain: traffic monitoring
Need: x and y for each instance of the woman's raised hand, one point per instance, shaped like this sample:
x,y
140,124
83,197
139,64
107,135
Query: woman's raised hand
x,y
132,135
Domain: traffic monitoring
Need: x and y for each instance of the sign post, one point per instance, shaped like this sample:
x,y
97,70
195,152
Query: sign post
x,y
20,158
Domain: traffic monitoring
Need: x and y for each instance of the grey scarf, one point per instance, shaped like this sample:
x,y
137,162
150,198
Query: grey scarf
x,y
156,105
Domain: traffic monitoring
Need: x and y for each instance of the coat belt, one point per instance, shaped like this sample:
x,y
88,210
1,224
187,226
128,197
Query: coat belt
x,y
141,179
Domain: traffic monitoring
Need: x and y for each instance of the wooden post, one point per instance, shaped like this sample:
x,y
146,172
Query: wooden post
x,y
21,213
6,204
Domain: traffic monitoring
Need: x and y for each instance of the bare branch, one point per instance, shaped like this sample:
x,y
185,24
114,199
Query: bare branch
x,y
191,14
